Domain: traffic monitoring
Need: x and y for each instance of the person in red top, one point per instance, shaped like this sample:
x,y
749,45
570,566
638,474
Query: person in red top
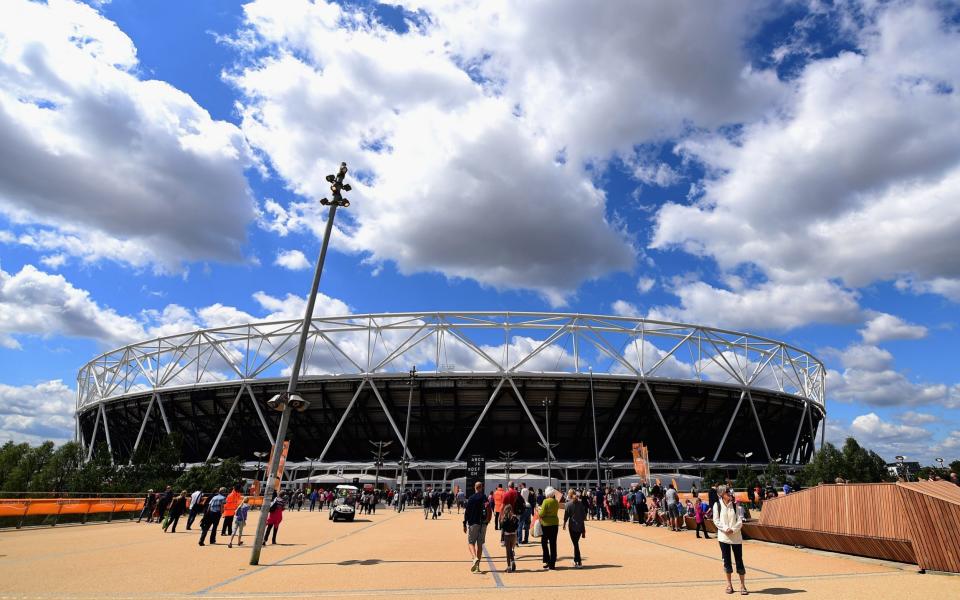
x,y
230,509
510,496
497,505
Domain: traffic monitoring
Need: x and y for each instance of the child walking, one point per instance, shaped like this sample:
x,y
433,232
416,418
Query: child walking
x,y
509,523
239,520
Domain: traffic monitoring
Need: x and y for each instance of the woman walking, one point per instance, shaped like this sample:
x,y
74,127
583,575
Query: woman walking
x,y
239,520
699,515
509,524
275,517
177,508
550,523
575,513
728,524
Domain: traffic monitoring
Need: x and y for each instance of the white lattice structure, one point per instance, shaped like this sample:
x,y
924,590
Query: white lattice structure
x,y
502,347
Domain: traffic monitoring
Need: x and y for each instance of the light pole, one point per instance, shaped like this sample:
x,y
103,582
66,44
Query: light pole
x,y
548,446
289,400
507,457
942,471
310,474
905,472
593,409
260,456
379,462
406,431
744,456
606,467
700,466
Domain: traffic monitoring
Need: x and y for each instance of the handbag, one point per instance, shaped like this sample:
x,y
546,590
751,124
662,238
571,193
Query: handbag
x,y
537,529
166,522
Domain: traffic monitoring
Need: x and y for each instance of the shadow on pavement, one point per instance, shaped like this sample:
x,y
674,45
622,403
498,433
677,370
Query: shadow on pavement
x,y
778,591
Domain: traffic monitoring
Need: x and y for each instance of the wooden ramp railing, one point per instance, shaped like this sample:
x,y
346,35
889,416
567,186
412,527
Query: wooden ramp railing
x,y
907,522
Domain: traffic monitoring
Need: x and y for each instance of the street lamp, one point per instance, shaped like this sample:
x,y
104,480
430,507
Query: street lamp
x,y
379,462
406,431
507,457
943,471
260,456
593,409
900,467
744,456
700,466
310,474
289,400
606,467
548,446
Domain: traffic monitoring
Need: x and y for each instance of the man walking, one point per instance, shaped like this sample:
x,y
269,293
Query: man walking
x,y
195,507
673,508
497,505
230,508
476,516
211,518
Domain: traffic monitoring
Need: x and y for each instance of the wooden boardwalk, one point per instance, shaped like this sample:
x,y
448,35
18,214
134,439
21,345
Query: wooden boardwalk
x,y
906,522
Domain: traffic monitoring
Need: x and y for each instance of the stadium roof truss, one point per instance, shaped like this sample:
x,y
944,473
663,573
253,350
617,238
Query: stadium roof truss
x,y
505,344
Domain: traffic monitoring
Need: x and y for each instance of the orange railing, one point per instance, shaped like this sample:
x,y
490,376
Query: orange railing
x,y
22,508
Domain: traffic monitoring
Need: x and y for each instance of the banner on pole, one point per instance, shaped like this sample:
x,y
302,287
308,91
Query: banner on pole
x,y
641,460
278,476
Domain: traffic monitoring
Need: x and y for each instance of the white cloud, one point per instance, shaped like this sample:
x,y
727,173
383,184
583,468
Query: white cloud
x,y
870,378
457,124
625,309
855,177
767,306
36,413
293,260
949,288
54,261
883,327
36,303
871,427
917,418
645,284
102,165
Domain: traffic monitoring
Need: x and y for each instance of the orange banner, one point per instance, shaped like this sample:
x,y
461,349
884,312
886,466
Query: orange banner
x,y
641,460
278,476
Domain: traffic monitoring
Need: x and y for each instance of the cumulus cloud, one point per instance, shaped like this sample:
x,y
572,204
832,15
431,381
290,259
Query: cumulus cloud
x,y
870,378
100,164
468,131
33,302
36,413
767,306
855,177
883,327
625,309
293,260
917,418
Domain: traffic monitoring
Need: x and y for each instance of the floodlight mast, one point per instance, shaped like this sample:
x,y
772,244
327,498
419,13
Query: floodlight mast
x,y
289,400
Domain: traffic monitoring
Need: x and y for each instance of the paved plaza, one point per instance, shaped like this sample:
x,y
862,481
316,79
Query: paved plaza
x,y
391,554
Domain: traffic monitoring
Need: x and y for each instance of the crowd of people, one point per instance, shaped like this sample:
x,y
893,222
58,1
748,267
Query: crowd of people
x,y
518,512
223,510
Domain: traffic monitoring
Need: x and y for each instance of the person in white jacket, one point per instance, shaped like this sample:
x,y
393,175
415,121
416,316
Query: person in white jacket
x,y
728,524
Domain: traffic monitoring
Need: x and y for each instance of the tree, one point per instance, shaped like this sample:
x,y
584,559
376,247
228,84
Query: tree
x,y
955,467
713,476
211,475
773,474
825,466
10,456
746,478
854,463
57,474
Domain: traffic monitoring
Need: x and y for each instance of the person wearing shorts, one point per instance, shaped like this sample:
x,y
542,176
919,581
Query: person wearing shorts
x,y
476,516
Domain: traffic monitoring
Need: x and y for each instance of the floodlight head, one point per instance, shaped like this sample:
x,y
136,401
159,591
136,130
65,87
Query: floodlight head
x,y
331,178
324,201
343,169
748,455
344,203
298,404
900,458
346,187
278,402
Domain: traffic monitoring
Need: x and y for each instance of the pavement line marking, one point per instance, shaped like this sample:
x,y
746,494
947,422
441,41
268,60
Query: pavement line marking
x,y
493,568
708,556
207,589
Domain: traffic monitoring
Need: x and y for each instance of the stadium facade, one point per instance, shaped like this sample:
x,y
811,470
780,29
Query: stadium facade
x,y
485,383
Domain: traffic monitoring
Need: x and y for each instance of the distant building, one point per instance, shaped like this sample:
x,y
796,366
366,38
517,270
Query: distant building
x,y
910,467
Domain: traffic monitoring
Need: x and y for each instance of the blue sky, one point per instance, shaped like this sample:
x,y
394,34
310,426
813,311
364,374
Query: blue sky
x,y
788,169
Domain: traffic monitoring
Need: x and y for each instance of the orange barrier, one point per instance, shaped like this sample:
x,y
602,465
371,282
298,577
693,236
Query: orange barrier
x,y
20,508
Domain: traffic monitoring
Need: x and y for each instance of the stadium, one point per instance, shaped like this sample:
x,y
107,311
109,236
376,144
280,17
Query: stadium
x,y
586,386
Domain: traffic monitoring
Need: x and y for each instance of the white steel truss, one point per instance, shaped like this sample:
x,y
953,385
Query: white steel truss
x,y
504,344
